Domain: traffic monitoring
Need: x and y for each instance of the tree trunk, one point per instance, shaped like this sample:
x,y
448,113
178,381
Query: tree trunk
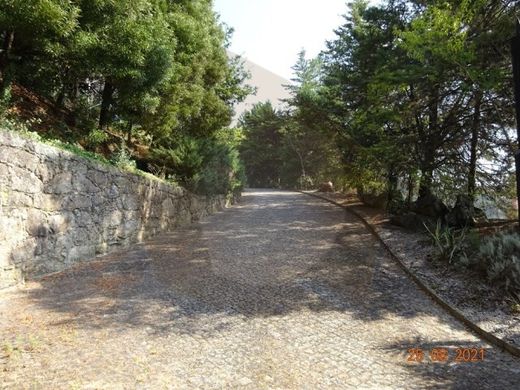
x,y
411,183
475,130
4,55
60,100
106,103
392,187
427,170
302,165
74,93
427,164
429,143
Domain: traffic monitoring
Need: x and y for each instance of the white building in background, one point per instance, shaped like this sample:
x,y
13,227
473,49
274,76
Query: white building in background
x,y
269,87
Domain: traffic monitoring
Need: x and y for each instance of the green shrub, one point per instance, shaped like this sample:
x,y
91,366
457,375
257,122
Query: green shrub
x,y
222,171
499,257
122,159
450,244
96,137
5,100
23,128
206,166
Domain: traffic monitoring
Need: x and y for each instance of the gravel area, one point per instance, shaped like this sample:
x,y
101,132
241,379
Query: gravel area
x,y
282,291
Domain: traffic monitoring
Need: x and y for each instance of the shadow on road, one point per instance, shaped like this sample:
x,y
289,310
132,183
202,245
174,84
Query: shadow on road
x,y
273,255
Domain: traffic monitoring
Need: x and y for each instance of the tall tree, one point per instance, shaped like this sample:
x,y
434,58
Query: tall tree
x,y
308,137
33,31
261,148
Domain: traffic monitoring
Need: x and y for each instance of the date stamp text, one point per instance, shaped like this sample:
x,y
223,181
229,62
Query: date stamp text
x,y
444,355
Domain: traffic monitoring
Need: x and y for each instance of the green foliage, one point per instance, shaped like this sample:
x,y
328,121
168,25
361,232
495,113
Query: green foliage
x,y
153,72
222,172
96,137
181,160
56,18
449,243
23,129
41,30
291,149
261,147
206,166
419,91
499,257
122,159
310,144
5,101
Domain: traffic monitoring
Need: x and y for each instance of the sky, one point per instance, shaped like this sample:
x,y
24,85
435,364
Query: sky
x,y
270,33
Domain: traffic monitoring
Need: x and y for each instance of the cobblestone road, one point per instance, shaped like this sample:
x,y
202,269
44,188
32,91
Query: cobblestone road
x,y
282,291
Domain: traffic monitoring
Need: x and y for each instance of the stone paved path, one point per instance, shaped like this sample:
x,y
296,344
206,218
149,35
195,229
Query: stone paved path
x,y
282,291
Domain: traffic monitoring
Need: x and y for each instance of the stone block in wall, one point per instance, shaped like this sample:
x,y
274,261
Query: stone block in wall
x,y
5,172
101,248
130,202
50,157
113,191
123,183
23,252
22,159
97,177
168,208
43,172
12,227
17,199
99,201
77,201
59,223
22,180
5,257
114,218
47,202
63,244
81,253
60,184
43,246
36,224
82,184
183,217
81,219
130,226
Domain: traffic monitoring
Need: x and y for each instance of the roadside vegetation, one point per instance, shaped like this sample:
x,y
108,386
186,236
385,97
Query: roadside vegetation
x,y
412,106
143,84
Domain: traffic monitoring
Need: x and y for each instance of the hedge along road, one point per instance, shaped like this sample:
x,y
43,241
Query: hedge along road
x,y
281,291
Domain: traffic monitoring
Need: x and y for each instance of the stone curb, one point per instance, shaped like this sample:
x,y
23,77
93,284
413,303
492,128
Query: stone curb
x,y
491,338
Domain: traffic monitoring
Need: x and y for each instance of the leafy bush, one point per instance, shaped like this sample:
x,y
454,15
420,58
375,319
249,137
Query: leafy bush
x,y
96,137
450,244
205,166
305,182
122,159
222,172
182,161
23,128
499,257
5,100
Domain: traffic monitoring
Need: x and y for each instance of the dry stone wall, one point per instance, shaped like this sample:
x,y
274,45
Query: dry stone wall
x,y
57,208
